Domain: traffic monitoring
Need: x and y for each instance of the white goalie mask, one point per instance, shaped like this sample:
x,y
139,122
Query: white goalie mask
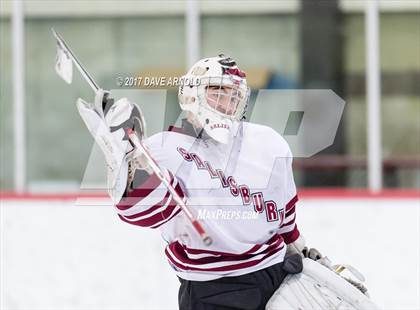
x,y
215,91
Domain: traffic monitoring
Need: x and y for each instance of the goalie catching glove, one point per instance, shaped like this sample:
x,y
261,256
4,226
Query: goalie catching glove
x,y
108,121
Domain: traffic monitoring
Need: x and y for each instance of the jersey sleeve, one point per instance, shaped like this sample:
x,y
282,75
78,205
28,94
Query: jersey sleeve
x,y
150,204
288,228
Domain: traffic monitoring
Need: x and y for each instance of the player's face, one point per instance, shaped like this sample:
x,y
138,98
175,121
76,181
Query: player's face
x,y
223,99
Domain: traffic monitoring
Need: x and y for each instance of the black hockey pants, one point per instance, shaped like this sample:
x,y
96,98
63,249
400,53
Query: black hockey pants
x,y
246,292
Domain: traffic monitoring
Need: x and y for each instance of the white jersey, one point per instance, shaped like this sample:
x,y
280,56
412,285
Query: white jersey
x,y
243,193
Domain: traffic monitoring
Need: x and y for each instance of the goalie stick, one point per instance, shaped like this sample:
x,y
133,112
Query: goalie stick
x,y
64,47
133,137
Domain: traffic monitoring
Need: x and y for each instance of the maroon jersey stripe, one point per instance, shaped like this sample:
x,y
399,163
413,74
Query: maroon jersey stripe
x,y
291,236
151,221
150,210
167,220
253,249
136,195
291,203
177,250
291,211
156,218
227,267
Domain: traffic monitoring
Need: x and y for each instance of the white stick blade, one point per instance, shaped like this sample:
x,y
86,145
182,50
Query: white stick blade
x,y
64,65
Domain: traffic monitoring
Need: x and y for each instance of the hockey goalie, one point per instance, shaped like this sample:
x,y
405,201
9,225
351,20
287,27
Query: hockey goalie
x,y
224,170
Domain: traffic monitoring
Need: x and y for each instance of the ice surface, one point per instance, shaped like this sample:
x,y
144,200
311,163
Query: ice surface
x,y
55,255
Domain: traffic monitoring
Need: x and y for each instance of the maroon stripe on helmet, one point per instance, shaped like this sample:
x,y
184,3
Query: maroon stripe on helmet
x,y
236,72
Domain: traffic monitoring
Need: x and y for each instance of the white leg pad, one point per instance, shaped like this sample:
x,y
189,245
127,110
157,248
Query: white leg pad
x,y
318,287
